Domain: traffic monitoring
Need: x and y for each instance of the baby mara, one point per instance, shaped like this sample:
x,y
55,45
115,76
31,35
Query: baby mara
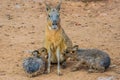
x,y
37,64
96,60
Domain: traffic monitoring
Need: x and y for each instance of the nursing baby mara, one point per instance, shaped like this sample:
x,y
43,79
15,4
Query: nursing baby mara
x,y
96,60
37,63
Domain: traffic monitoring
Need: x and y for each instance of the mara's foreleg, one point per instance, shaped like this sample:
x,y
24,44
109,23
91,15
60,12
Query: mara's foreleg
x,y
63,64
49,60
58,61
76,66
46,67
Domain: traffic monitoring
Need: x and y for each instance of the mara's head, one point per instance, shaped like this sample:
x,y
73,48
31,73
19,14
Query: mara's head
x,y
71,51
53,16
42,52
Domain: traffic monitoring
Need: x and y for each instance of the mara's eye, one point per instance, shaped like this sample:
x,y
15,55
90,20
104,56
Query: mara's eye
x,y
73,51
43,50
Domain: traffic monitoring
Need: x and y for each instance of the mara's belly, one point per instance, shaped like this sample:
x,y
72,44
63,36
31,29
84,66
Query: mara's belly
x,y
53,45
54,58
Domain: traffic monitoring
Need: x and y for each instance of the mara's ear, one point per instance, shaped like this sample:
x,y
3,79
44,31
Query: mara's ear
x,y
35,53
47,6
75,47
59,5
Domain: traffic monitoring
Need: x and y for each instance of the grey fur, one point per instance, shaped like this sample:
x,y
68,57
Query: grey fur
x,y
33,66
96,60
53,15
36,64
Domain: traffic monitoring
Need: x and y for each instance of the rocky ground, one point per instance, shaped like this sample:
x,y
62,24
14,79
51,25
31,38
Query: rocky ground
x,y
94,24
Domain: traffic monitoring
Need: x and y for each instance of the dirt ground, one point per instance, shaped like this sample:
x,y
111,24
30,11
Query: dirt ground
x,y
90,25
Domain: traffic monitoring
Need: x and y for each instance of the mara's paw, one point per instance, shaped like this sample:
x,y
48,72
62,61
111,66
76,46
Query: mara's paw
x,y
74,69
30,75
92,71
48,71
63,66
59,74
45,72
101,71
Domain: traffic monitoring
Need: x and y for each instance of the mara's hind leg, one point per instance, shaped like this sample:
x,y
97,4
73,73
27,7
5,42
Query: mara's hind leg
x,y
92,67
49,61
58,61
90,70
46,67
96,69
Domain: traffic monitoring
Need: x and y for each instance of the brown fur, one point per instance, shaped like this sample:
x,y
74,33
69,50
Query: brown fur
x,y
54,39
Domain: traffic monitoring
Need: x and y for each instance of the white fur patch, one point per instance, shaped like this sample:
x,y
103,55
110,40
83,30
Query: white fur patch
x,y
50,28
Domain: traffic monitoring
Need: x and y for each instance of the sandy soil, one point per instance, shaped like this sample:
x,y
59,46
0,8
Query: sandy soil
x,y
90,25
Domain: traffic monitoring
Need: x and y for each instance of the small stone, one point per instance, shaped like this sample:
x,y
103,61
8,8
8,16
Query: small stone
x,y
7,35
17,65
1,26
32,42
106,78
17,6
9,16
11,45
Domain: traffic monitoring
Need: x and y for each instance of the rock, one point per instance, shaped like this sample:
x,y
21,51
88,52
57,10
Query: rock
x,y
17,6
106,78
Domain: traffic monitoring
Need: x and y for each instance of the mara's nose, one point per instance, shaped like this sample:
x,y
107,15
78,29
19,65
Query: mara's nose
x,y
54,23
